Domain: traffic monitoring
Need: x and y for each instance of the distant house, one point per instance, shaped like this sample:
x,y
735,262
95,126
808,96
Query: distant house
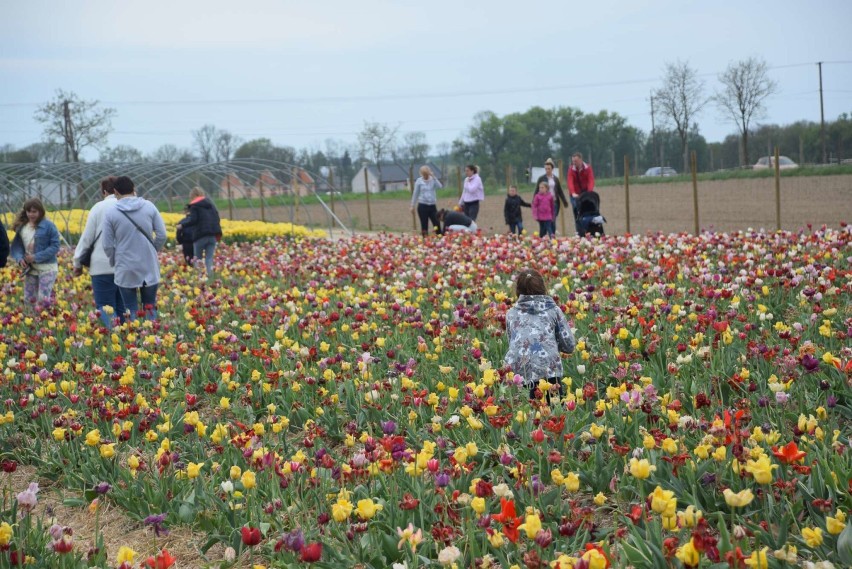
x,y
267,185
393,177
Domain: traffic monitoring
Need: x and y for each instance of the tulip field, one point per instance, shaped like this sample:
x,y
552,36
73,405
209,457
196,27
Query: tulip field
x,y
341,404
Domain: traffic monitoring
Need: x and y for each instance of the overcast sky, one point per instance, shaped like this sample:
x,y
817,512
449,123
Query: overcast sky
x,y
303,72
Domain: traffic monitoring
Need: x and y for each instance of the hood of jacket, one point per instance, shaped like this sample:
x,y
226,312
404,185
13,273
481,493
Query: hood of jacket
x,y
202,201
535,303
129,204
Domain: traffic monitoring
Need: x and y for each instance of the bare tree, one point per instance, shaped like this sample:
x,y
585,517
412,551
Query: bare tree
x,y
377,140
680,99
204,140
414,148
122,153
746,87
76,122
171,153
226,145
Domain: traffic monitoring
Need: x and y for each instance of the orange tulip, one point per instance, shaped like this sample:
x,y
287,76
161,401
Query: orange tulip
x,y
789,453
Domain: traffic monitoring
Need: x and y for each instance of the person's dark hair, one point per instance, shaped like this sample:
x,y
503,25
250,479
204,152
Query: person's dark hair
x,y
108,185
22,218
577,155
472,168
124,185
529,281
441,213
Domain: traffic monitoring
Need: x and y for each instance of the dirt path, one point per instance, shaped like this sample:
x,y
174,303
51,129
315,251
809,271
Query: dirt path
x,y
723,206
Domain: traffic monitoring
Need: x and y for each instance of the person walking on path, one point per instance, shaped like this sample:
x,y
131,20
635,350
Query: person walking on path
x,y
553,185
512,211
204,223
426,198
104,289
132,250
542,210
473,192
34,248
581,178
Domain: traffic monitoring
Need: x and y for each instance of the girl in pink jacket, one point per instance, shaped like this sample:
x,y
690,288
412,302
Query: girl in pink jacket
x,y
542,210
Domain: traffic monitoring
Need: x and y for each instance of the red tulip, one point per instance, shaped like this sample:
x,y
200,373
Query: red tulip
x,y
163,560
789,453
538,436
251,536
312,552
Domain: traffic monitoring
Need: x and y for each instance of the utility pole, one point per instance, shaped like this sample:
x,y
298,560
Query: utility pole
x,y
821,116
654,132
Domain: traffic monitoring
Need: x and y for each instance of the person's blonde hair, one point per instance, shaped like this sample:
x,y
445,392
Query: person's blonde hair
x,y
196,192
424,169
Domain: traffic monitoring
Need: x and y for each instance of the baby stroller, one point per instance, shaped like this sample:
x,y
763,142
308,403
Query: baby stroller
x,y
589,218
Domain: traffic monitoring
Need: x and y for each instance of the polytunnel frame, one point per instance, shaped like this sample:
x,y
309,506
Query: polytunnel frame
x,y
168,182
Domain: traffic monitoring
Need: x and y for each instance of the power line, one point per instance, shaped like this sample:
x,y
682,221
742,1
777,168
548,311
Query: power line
x,y
397,96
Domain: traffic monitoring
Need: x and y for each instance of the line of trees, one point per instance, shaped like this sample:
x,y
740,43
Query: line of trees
x,y
518,140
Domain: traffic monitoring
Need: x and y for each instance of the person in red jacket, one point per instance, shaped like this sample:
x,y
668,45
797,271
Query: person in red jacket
x,y
581,179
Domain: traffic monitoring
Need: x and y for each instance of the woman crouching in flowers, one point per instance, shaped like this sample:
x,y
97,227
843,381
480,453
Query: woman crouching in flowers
x,y
537,332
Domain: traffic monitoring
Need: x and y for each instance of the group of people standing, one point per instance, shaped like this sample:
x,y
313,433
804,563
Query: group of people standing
x,y
120,245
548,199
549,196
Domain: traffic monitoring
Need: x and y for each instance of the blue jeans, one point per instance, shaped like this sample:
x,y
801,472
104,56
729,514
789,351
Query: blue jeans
x,y
106,293
148,294
207,245
516,227
546,227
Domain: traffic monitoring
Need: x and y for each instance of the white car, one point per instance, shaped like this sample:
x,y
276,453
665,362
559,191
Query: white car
x,y
767,162
658,171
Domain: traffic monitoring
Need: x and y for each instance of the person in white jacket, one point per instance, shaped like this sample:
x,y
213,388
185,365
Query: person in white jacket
x,y
104,289
134,233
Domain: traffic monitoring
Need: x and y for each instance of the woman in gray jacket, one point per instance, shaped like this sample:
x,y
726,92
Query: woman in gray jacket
x,y
426,198
104,289
132,250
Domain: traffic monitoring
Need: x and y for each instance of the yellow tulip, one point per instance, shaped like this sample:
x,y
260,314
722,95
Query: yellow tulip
x,y
367,509
641,469
738,499
531,525
812,536
341,510
248,480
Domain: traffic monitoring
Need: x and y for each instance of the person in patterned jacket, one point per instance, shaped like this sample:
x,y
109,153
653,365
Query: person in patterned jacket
x,y
537,332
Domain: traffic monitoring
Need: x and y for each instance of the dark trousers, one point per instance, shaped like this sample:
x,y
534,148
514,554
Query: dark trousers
x,y
546,228
106,293
427,213
148,296
576,217
188,251
516,227
471,209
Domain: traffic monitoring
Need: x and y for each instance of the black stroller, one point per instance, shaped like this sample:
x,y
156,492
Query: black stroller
x,y
589,218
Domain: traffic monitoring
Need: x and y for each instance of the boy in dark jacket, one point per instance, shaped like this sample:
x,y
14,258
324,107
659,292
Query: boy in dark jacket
x,y
512,211
184,237
4,245
203,222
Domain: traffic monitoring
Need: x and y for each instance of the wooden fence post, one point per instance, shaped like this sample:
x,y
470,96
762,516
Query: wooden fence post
x,y
777,191
262,201
230,197
331,187
627,190
694,167
367,191
411,187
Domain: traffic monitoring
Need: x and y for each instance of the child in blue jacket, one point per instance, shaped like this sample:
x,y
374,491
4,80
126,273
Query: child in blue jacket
x,y
34,248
